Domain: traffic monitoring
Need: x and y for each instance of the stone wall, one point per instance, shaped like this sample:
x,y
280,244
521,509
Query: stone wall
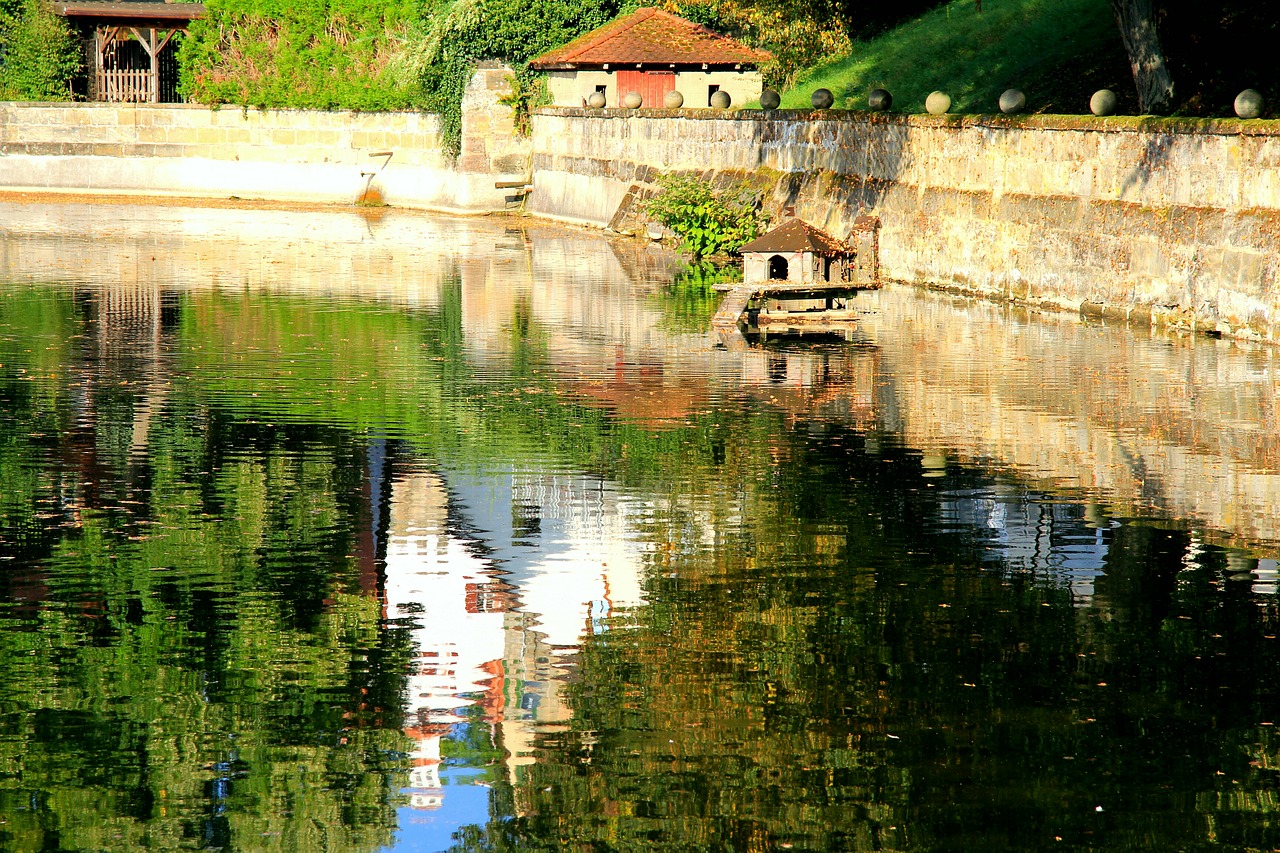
x,y
294,155
1153,219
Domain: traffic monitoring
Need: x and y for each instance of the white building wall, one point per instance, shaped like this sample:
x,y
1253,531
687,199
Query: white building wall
x,y
571,88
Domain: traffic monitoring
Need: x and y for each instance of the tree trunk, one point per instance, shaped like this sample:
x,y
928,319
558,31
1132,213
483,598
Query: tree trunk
x,y
1137,22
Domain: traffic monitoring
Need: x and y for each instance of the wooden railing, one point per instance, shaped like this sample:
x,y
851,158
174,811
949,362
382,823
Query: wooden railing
x,y
125,85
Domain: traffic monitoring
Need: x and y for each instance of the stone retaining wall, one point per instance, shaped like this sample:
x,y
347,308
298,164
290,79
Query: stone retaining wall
x,y
294,155
1175,221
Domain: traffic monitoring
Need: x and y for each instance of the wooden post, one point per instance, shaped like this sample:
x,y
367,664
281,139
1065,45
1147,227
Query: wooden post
x,y
153,44
155,67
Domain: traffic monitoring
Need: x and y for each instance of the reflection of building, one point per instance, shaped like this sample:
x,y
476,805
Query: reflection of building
x,y
500,576
436,579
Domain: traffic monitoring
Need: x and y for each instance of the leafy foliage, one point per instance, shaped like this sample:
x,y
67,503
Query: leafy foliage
x,y
329,54
38,53
443,56
707,221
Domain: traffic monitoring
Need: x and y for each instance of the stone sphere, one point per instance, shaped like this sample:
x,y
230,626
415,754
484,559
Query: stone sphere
x,y
769,100
879,99
596,100
1103,103
1249,103
822,99
1012,101
632,100
673,100
721,100
937,103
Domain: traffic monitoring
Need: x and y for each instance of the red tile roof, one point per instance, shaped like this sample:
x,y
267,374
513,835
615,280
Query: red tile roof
x,y
650,36
796,235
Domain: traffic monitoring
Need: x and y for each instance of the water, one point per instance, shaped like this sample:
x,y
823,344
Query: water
x,y
320,531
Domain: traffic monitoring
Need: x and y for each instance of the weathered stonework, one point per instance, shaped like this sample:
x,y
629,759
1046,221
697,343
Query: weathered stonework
x,y
296,155
1178,221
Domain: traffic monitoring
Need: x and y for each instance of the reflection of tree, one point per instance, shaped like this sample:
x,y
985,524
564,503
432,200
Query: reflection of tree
x,y
820,664
199,667
844,675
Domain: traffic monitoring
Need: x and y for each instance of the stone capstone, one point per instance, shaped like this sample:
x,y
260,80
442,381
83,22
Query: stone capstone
x,y
1103,103
1249,104
673,100
769,100
721,100
632,100
1012,101
938,103
822,99
596,100
879,99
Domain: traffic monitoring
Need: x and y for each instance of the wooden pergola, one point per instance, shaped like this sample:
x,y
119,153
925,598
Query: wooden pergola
x,y
115,27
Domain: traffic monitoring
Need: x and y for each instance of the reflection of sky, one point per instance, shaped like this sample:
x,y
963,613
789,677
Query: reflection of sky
x,y
1051,540
432,831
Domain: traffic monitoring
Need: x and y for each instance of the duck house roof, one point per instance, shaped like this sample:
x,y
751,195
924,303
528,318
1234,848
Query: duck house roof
x,y
796,235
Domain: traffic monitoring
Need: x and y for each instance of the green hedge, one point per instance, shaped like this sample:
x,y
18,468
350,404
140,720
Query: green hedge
x,y
39,55
311,54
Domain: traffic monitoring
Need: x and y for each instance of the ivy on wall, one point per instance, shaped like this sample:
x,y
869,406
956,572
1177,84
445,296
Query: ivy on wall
x,y
461,33
39,54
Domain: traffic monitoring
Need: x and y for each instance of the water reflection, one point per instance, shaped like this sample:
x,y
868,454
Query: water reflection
x,y
454,533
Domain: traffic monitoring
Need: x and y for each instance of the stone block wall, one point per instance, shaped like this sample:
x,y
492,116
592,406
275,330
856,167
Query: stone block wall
x,y
1161,219
296,155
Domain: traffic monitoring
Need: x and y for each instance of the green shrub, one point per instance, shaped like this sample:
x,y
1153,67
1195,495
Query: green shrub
x,y
707,221
38,53
317,54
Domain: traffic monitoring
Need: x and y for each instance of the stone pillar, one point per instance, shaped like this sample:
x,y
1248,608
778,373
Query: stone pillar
x,y
490,143
865,239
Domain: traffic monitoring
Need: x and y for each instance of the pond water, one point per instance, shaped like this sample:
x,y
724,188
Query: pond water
x,y
322,531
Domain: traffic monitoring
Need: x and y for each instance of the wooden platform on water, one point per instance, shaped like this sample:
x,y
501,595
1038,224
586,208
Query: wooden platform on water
x,y
781,306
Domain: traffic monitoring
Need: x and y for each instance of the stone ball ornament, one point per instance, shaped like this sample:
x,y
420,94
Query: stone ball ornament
x,y
596,100
769,100
822,99
1012,101
1249,104
938,103
632,100
879,100
721,100
1103,103
673,100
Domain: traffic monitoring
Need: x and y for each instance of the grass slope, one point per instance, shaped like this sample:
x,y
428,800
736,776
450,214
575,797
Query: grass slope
x,y
1058,52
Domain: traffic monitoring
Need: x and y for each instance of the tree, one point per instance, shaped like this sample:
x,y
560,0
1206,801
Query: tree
x,y
1138,22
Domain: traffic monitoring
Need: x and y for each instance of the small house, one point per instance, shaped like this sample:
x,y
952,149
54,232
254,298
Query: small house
x,y
796,253
651,53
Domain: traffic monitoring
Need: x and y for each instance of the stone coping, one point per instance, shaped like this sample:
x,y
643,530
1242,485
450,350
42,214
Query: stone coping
x,y
1034,121
229,109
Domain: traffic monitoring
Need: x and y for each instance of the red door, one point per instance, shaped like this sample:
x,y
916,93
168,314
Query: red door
x,y
652,86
